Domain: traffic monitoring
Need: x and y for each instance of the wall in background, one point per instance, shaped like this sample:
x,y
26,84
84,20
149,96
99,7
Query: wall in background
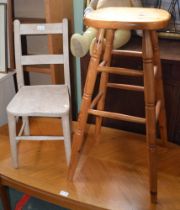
x,y
7,91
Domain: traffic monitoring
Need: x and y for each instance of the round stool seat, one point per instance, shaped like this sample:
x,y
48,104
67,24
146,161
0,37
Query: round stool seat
x,y
128,18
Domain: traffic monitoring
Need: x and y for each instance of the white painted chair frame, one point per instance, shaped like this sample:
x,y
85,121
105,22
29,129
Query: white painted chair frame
x,y
60,94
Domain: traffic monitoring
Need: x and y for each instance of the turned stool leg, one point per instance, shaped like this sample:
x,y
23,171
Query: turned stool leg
x,y
150,112
86,101
159,88
104,80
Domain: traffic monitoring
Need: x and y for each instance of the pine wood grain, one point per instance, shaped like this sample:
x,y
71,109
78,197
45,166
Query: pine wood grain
x,y
114,176
128,18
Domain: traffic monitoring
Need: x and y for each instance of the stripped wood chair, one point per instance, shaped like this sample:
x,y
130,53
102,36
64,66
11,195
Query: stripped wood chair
x,y
40,100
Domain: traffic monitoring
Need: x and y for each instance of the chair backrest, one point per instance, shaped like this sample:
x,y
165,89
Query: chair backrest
x,y
41,29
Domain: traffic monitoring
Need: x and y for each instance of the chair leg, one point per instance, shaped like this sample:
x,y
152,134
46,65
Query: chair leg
x,y
150,112
85,105
12,136
159,88
26,128
104,80
67,136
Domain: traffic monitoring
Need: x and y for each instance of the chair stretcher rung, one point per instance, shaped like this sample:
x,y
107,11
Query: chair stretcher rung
x,y
117,116
22,129
121,71
127,53
39,138
126,87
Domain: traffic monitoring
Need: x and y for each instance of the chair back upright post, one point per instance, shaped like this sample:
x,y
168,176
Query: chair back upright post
x,y
18,53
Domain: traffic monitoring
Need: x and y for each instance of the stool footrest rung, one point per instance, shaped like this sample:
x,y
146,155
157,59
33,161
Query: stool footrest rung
x,y
121,71
117,116
131,53
126,87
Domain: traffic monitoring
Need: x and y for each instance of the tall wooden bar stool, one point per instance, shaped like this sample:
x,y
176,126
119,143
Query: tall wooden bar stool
x,y
107,20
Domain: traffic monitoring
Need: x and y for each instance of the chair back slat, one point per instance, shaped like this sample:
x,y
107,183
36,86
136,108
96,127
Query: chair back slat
x,y
41,29
48,28
41,59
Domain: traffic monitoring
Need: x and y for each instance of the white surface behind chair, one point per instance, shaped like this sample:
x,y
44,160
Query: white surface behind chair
x,y
40,100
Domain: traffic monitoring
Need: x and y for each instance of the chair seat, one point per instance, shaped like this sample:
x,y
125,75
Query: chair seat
x,y
128,18
41,100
